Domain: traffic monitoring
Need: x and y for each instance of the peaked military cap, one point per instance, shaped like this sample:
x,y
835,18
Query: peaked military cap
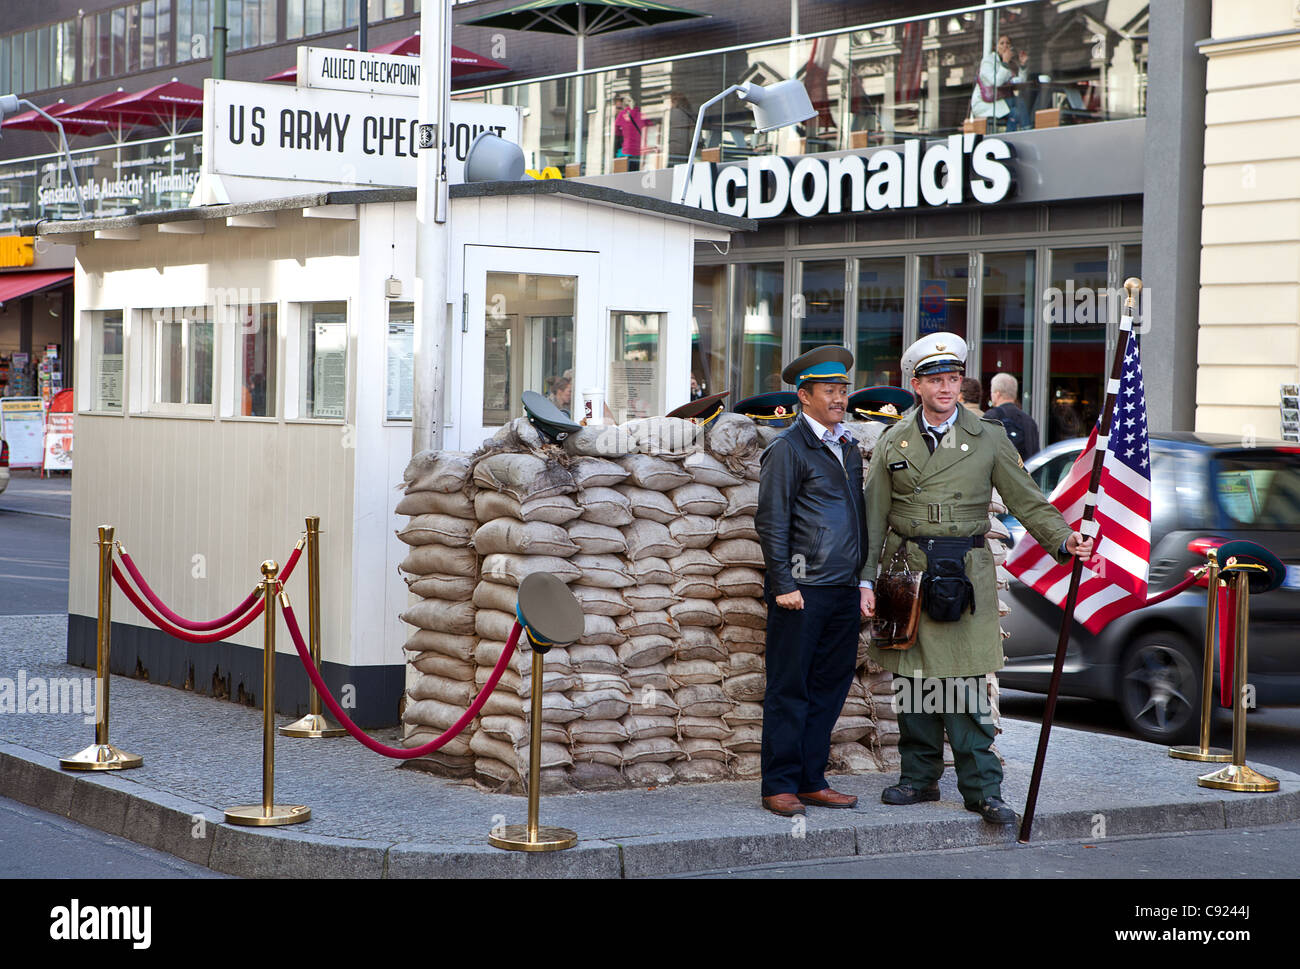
x,y
548,611
776,409
1265,569
828,364
934,353
701,410
882,404
549,420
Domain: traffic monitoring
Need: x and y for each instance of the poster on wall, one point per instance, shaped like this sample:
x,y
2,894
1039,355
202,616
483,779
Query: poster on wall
x,y
22,425
329,371
933,306
58,433
401,370
632,389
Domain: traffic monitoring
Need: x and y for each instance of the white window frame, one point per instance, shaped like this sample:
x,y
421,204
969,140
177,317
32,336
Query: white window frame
x,y
150,326
295,351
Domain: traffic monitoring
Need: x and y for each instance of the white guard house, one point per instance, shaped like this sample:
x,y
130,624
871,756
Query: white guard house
x,y
244,366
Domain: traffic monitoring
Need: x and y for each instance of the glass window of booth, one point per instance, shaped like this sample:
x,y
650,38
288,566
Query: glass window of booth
x,y
183,364
323,377
635,365
528,343
107,361
257,356
401,361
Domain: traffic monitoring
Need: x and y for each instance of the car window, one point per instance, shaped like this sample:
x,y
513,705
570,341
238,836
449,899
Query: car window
x,y
1260,490
1054,471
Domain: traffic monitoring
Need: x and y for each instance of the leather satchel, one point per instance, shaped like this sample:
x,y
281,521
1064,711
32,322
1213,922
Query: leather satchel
x,y
898,606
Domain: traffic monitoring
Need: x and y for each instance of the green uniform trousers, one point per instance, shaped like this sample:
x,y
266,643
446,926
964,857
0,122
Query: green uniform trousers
x,y
959,705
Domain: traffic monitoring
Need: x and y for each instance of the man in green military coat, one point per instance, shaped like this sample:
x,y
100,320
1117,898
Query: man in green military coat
x,y
928,490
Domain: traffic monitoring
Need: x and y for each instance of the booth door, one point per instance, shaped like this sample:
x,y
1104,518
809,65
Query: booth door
x,y
532,323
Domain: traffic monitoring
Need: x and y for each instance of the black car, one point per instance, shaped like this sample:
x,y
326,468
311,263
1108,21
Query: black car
x,y
1205,490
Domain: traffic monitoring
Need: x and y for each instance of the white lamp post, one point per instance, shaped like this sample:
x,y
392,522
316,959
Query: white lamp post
x,y
782,104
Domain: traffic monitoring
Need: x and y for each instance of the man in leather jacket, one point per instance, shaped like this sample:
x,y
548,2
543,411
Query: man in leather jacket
x,y
811,522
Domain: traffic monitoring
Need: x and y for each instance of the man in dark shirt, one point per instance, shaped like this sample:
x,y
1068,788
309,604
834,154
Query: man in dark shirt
x,y
1020,427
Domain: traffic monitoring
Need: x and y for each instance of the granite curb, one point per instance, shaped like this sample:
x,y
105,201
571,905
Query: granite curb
x,y
114,803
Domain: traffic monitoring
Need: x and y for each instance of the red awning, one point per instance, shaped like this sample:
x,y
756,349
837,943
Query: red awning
x,y
462,61
31,121
169,101
17,285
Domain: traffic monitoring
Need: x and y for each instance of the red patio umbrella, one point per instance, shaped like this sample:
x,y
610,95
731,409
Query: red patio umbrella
x,y
462,61
165,105
31,121
98,111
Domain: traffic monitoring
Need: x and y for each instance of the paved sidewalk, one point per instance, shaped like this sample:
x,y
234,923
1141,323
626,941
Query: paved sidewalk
x,y
370,819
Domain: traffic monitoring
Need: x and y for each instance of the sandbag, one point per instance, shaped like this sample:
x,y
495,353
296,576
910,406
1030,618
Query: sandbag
x,y
434,713
691,672
455,503
607,754
742,713
440,529
703,728
652,571
554,509
746,739
700,643
603,571
507,536
851,757
743,611
737,526
456,618
456,692
708,470
667,436
445,644
599,440
741,500
648,650
600,602
639,726
744,639
595,539
591,682
646,539
650,597
696,587
849,729
698,499
523,476
605,506
513,569
510,730
656,623
647,503
694,561
732,435
436,471
426,559
656,474
644,679
657,749
590,472
694,531
453,588
601,704
696,612
703,700
495,625
741,581
496,595
594,658
739,551
435,664
738,663
600,630
597,732
748,687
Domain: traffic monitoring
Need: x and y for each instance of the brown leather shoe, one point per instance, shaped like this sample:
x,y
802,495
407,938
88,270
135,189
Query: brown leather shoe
x,y
829,798
786,805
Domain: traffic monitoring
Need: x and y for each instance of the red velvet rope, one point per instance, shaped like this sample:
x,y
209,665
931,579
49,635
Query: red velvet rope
x,y
205,625
171,630
400,753
1170,593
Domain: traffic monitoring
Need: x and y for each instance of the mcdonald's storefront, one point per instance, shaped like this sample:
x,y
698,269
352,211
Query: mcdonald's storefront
x,y
1024,255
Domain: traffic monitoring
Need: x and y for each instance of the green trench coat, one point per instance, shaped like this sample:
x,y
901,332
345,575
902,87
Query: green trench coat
x,y
947,494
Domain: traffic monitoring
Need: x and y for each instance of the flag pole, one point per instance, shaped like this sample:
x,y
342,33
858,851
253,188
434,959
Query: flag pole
x,y
1087,527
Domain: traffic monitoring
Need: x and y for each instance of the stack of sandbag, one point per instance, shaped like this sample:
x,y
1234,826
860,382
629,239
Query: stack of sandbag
x,y
441,569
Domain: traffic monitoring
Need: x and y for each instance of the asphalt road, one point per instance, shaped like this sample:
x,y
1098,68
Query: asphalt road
x,y
34,549
34,844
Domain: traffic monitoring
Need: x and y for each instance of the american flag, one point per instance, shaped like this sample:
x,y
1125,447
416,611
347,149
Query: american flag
x,y
1117,581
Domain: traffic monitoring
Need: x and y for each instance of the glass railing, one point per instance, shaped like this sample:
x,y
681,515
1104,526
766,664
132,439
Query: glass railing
x,y
1062,64
126,179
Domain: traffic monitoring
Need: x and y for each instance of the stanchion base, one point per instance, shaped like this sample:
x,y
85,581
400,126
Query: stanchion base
x,y
101,757
1236,777
514,837
1210,755
312,725
253,816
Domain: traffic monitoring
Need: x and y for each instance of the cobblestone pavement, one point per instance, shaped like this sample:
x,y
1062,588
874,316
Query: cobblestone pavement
x,y
209,751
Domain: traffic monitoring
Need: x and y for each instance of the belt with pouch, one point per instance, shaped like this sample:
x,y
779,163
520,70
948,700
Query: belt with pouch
x,y
946,591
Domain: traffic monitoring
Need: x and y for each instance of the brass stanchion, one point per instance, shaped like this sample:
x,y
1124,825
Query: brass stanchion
x,y
1237,776
268,813
1203,751
314,724
550,616
102,755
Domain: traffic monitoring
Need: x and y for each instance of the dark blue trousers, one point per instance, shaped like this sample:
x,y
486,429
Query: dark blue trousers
x,y
810,657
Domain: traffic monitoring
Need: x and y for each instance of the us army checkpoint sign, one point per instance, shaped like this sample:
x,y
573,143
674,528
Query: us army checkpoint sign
x,y
320,135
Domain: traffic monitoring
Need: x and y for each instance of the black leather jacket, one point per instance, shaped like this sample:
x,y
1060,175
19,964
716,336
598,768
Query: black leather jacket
x,y
810,506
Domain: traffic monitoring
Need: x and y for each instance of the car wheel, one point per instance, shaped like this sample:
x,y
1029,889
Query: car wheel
x,y
1159,689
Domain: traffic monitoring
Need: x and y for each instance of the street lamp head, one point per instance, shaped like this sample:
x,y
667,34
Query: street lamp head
x,y
493,159
8,105
782,104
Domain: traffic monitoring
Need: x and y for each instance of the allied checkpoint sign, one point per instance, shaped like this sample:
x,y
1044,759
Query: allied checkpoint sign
x,y
356,70
317,134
